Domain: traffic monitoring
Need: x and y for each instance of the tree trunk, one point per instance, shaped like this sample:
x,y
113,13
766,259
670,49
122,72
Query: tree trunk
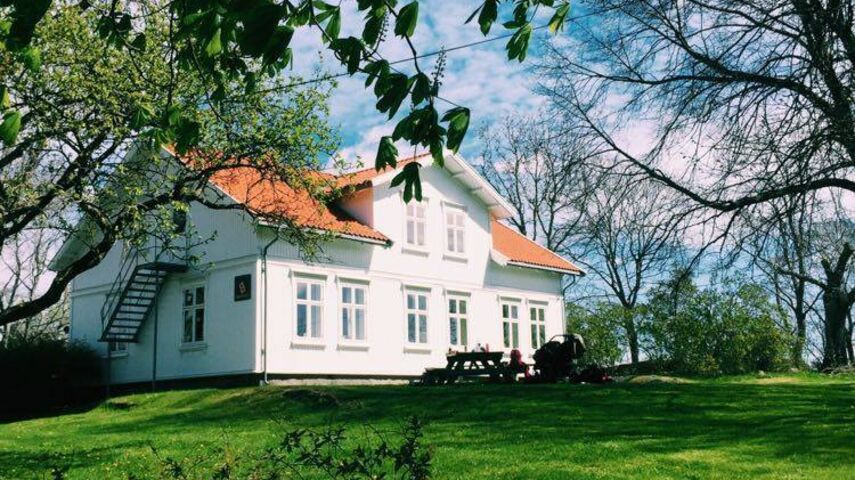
x,y
799,344
631,334
837,303
836,334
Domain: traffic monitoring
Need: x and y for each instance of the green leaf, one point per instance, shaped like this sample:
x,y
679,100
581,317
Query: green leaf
x,y
557,21
412,184
408,17
259,24
141,116
10,127
387,154
396,89
489,13
458,123
375,71
421,88
334,25
349,51
139,42
214,45
518,44
32,58
5,100
373,25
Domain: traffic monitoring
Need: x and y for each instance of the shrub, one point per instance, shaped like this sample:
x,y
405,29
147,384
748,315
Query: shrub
x,y
43,374
601,329
727,330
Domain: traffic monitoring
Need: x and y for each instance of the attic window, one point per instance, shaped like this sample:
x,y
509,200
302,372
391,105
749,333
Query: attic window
x,y
416,213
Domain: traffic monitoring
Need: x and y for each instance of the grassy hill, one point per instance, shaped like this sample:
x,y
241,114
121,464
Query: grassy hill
x,y
781,427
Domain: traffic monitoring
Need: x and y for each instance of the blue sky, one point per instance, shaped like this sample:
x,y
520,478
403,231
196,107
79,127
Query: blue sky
x,y
480,78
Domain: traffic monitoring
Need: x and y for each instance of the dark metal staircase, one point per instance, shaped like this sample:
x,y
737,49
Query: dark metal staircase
x,y
132,297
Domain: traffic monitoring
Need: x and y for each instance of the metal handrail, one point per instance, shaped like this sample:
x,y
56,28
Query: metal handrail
x,y
126,269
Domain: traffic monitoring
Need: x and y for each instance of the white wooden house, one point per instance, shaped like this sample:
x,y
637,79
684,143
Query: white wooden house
x,y
398,286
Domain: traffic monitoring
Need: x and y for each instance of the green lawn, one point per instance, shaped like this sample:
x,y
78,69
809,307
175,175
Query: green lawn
x,y
800,426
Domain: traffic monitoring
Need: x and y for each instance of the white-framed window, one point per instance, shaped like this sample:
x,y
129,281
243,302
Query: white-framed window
x,y
117,347
458,321
193,311
511,324
309,308
416,224
455,230
417,316
354,311
537,316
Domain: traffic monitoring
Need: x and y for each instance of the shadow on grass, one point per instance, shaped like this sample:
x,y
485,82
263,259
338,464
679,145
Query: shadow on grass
x,y
814,422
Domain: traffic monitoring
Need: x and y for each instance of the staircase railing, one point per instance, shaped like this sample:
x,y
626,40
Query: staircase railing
x,y
126,269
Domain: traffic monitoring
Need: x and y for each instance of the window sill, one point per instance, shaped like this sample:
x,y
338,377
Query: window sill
x,y
308,344
193,347
455,257
422,252
355,346
116,355
417,349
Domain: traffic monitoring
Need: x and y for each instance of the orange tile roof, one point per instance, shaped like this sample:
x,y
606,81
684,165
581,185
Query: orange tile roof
x,y
360,178
276,198
519,249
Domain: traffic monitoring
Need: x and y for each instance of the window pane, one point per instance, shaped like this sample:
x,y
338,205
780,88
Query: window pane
x,y
360,296
410,209
464,340
462,304
411,232
420,211
541,313
422,302
449,218
360,324
452,328
542,334
411,328
516,334
345,323
346,295
301,320
460,242
316,292
534,336
450,239
420,231
506,334
200,325
532,314
515,314
460,219
188,326
505,313
411,301
452,306
422,328
188,298
302,290
200,295
316,320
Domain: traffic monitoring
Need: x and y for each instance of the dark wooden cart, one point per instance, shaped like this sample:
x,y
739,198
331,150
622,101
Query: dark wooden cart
x,y
467,364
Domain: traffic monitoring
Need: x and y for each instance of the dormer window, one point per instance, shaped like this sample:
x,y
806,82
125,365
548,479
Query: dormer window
x,y
455,230
416,216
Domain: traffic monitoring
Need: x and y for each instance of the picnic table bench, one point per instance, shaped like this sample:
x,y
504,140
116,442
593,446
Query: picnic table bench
x,y
467,364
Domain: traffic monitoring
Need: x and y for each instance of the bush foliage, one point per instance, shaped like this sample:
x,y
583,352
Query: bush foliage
x,y
44,373
729,329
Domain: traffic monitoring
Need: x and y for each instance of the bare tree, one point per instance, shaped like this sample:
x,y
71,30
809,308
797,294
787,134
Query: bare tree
x,y
752,99
625,233
531,161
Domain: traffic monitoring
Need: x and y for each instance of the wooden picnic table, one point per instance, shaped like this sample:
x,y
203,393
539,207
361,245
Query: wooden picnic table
x,y
467,364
